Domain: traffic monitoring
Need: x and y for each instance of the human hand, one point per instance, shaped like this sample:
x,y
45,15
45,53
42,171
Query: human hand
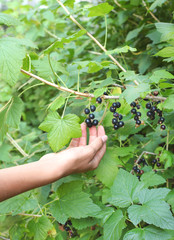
x,y
79,157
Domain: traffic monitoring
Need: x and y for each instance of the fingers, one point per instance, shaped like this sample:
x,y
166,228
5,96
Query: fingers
x,y
96,145
74,142
98,157
92,134
101,131
83,139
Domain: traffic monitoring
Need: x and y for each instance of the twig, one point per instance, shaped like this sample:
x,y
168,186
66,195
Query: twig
x,y
1,237
148,10
155,98
93,38
16,145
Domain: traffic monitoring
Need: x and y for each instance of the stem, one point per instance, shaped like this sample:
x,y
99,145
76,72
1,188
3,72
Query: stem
x,y
38,84
148,10
167,143
65,107
106,31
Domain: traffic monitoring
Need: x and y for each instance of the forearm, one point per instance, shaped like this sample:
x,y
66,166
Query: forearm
x,y
19,179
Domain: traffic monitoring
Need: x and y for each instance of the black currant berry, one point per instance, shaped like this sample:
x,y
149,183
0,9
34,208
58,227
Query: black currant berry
x,y
89,125
87,111
115,114
120,117
99,100
138,170
88,120
138,106
155,93
139,161
69,222
148,105
138,122
105,93
121,124
153,109
143,160
161,119
114,121
118,104
114,105
154,161
149,114
95,122
163,127
91,116
133,104
112,109
135,168
133,110
93,108
116,126
136,118
158,164
138,114
66,228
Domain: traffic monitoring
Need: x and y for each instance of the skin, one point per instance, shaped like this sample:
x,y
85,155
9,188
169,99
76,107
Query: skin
x,y
77,158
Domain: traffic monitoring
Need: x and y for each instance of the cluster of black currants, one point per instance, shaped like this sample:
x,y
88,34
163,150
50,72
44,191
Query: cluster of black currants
x,y
116,121
67,227
137,167
151,113
90,121
136,113
156,162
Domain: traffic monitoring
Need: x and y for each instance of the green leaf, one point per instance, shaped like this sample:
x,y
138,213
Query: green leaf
x,y
83,222
17,232
11,56
166,30
150,232
131,186
170,199
156,212
107,169
18,204
169,102
61,130
159,74
157,3
100,10
8,20
134,33
40,228
151,179
124,49
98,92
147,195
72,203
114,225
166,52
57,103
69,3
167,158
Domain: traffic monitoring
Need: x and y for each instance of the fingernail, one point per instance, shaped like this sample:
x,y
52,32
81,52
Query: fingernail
x,y
104,138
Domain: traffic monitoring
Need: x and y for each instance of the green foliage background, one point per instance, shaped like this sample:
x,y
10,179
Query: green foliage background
x,y
108,203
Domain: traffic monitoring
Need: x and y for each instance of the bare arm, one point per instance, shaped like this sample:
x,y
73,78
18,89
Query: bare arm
x,y
78,157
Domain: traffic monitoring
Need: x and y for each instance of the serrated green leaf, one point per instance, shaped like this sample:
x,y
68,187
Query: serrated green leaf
x,y
151,179
100,10
107,170
157,3
11,56
74,203
153,212
131,186
134,33
169,102
170,199
18,204
69,3
150,232
40,228
17,232
166,157
147,195
8,20
124,49
98,92
61,130
166,30
166,52
159,74
57,103
114,225
83,222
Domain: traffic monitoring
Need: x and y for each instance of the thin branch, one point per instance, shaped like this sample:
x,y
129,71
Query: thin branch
x,y
148,10
1,237
16,145
93,38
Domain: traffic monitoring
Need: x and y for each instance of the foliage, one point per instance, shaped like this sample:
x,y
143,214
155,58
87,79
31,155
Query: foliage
x,y
110,202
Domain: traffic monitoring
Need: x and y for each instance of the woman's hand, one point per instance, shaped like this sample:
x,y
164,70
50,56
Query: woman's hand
x,y
79,157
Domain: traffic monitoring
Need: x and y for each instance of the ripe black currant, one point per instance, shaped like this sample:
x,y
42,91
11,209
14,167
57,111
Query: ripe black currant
x,y
112,109
99,100
87,111
66,228
136,118
105,93
91,116
154,161
118,104
116,126
138,114
95,122
120,117
163,127
121,124
88,120
133,110
149,114
114,121
138,106
138,170
133,104
161,120
153,109
138,122
89,124
139,161
135,168
158,164
148,105
114,105
115,114
93,108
